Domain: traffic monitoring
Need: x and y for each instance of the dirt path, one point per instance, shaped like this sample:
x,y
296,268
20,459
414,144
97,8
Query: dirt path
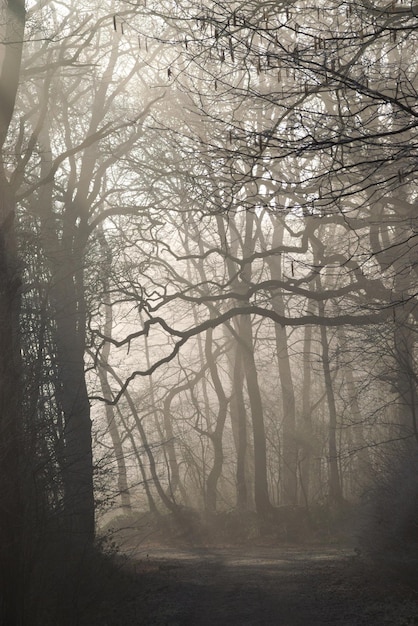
x,y
261,586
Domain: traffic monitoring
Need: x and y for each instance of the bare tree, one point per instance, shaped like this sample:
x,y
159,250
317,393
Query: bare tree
x,y
11,431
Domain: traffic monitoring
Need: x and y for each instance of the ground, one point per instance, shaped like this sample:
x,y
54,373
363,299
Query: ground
x,y
255,586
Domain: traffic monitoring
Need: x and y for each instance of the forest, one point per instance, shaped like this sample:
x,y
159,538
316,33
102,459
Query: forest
x,y
208,281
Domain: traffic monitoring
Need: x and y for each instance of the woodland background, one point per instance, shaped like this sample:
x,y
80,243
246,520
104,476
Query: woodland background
x,y
208,278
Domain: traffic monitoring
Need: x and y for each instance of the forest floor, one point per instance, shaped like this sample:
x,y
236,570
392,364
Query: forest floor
x,y
261,585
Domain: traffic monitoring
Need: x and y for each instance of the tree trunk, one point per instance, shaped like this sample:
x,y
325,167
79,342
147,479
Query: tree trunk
x,y
239,427
335,490
107,392
64,254
361,472
392,248
11,507
150,499
11,432
123,489
261,494
289,460
217,433
405,374
306,426
171,505
78,461
168,434
244,337
289,450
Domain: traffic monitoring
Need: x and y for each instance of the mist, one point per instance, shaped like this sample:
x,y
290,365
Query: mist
x,y
208,280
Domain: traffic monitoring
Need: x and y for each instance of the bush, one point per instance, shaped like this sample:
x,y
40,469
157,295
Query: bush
x,y
69,588
389,532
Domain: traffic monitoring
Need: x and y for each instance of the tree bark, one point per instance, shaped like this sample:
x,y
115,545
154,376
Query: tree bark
x,y
239,427
64,250
11,431
306,426
217,432
334,481
113,429
70,346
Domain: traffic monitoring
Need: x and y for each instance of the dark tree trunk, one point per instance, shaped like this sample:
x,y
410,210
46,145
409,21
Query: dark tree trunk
x,y
11,505
78,462
64,254
11,432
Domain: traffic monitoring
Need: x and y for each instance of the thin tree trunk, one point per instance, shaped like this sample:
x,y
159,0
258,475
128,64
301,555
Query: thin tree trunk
x,y
168,435
289,450
170,504
335,490
363,466
150,499
217,432
306,426
239,427
106,389
123,489
405,374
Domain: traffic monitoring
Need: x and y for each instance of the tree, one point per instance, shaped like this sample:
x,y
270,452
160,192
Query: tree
x,y
296,137
11,428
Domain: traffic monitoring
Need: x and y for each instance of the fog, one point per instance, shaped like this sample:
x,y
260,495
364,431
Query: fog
x,y
208,280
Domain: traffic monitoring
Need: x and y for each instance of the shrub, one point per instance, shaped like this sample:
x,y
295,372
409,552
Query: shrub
x,y
389,529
